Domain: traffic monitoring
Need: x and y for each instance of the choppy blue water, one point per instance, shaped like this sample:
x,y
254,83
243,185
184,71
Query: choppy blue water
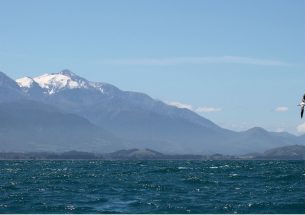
x,y
152,187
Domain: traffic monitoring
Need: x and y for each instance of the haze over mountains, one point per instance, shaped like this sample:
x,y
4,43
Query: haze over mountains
x,y
62,111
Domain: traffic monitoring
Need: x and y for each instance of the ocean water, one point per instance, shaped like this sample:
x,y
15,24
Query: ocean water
x,y
152,187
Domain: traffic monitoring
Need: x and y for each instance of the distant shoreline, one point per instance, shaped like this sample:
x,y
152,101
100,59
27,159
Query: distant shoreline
x,y
283,153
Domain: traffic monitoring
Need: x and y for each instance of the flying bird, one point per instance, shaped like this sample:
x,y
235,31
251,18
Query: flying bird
x,y
302,104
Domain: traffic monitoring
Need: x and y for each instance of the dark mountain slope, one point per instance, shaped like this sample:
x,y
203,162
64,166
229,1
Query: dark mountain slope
x,y
33,126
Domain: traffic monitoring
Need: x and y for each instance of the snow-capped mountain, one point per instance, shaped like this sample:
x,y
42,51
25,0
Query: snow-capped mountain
x,y
136,118
56,82
132,116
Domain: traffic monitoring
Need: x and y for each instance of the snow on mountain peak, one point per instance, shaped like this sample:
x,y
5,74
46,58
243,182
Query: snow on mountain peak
x,y
25,82
65,79
55,82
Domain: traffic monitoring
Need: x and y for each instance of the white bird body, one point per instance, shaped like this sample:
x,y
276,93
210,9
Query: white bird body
x,y
302,104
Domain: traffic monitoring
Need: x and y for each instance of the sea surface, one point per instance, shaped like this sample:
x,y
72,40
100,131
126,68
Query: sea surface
x,y
152,187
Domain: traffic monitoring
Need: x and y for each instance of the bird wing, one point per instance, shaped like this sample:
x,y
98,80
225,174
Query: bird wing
x,y
302,111
303,100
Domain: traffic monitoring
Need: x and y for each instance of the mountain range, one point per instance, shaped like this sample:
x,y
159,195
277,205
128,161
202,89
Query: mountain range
x,y
61,112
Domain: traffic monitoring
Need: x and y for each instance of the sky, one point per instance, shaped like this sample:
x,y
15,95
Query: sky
x,y
238,63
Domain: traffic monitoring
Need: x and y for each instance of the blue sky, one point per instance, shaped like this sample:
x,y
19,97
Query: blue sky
x,y
240,63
